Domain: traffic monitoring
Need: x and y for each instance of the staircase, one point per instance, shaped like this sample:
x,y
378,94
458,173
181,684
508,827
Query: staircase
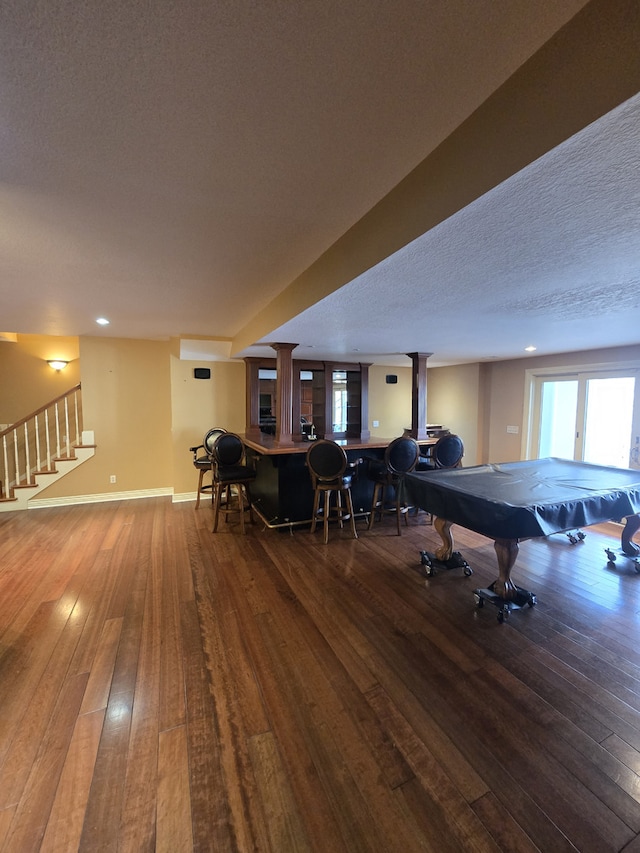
x,y
40,449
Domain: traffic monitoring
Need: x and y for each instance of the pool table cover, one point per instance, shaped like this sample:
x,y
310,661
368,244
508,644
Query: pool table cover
x,y
521,500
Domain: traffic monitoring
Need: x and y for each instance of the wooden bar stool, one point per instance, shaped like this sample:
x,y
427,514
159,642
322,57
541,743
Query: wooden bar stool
x,y
331,472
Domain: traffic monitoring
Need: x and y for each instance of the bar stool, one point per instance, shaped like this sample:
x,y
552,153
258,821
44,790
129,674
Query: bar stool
x,y
203,463
231,477
331,472
400,457
447,452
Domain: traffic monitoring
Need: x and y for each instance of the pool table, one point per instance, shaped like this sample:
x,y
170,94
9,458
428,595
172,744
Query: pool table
x,y
512,501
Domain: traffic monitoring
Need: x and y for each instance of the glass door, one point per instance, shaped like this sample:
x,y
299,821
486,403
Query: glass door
x,y
592,417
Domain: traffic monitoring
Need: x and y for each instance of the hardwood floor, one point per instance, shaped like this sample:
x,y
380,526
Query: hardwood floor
x,y
164,688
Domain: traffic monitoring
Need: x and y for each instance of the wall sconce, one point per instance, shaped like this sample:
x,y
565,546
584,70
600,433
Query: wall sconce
x,y
57,364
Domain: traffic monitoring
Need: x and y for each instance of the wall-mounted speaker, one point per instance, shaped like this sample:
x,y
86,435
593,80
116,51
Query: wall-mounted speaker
x,y
201,373
391,379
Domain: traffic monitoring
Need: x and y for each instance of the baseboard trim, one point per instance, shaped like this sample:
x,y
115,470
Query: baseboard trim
x,y
183,497
74,500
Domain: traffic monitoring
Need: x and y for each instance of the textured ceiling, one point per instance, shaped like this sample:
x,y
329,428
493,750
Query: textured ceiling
x,y
549,258
175,167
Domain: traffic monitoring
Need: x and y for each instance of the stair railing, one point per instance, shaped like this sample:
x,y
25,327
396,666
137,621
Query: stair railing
x,y
32,445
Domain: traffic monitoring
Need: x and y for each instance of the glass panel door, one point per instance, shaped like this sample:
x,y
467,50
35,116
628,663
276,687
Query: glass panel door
x,y
558,408
592,417
608,421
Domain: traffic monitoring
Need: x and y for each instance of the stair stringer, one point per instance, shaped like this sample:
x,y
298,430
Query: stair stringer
x,y
23,494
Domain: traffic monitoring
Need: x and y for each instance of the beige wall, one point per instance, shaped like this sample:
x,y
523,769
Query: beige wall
x,y
126,395
146,409
26,380
454,400
197,405
390,405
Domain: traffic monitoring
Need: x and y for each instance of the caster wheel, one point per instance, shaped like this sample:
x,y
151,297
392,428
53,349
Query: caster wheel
x,y
532,601
581,536
636,566
611,557
502,615
479,600
468,571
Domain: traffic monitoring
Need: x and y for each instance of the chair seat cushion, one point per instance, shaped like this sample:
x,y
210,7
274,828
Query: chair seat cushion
x,y
343,482
203,463
235,474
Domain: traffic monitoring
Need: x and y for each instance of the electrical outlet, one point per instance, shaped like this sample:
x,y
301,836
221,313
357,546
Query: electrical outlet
x,y
513,429
376,424
112,478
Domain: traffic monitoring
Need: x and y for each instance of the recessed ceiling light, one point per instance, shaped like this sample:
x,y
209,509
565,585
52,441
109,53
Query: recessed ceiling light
x,y
530,349
102,321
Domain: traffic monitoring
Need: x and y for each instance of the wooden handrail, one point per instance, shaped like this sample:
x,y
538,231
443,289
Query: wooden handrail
x,y
40,410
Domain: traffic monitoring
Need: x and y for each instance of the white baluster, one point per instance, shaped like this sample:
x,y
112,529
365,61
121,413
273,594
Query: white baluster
x,y
46,424
38,460
66,423
57,424
27,461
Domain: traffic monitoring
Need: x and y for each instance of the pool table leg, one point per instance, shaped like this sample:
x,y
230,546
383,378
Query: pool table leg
x,y
443,528
506,551
630,548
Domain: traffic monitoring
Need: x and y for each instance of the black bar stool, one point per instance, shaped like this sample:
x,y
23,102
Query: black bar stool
x,y
203,464
331,472
400,457
232,477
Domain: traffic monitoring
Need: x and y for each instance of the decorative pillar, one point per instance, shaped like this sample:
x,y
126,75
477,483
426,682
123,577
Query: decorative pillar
x,y
284,392
419,394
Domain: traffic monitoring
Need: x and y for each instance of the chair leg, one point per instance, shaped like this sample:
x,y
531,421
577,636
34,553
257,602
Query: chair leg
x,y
376,495
217,497
200,478
352,517
327,511
314,512
240,487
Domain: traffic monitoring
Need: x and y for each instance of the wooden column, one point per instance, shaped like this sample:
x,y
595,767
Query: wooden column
x,y
419,394
284,392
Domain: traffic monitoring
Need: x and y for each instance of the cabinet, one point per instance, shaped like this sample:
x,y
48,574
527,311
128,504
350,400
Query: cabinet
x,y
312,397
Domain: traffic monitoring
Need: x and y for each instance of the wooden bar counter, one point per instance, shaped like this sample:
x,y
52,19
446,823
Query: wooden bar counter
x,y
282,493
